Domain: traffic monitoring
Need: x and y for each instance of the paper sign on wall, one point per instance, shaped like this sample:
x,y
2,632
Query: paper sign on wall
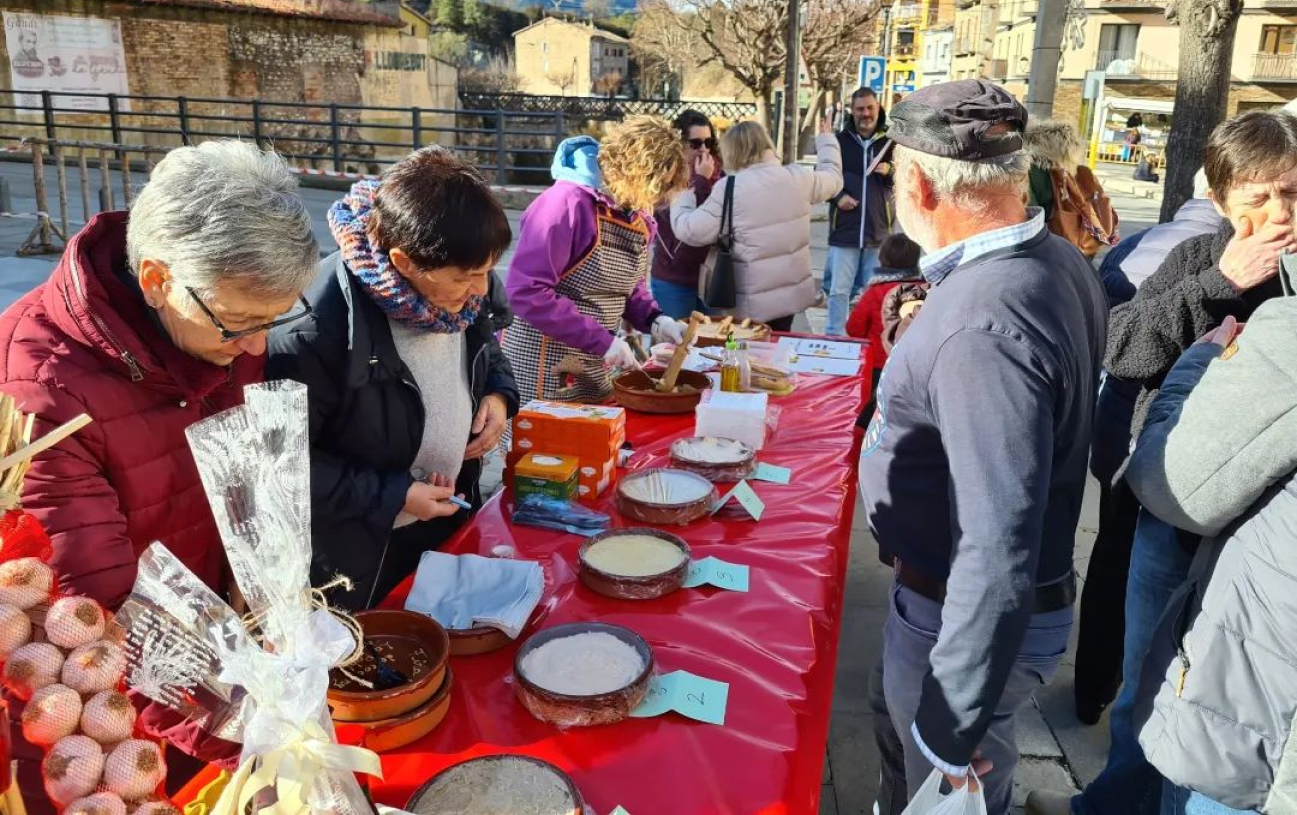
x,y
687,694
716,572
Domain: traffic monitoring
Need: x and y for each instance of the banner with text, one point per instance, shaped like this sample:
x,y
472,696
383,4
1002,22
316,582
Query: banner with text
x,y
50,52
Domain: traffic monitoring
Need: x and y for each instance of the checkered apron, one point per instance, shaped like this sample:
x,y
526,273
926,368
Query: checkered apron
x,y
599,284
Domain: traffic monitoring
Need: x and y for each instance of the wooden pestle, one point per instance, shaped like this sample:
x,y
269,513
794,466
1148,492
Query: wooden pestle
x,y
668,381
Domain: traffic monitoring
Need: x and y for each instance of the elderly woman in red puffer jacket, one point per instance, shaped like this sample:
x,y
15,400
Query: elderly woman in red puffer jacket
x,y
152,320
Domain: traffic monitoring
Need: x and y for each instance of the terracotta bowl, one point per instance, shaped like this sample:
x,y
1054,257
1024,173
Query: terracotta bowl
x,y
623,587
412,643
467,642
582,711
687,509
391,734
684,457
634,390
760,333
425,800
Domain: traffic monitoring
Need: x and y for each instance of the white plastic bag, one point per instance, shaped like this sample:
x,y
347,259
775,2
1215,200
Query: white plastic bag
x,y
930,801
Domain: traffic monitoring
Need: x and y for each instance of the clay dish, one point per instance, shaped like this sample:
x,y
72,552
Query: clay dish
x,y
467,642
391,734
568,710
664,496
412,643
714,459
447,791
634,587
635,390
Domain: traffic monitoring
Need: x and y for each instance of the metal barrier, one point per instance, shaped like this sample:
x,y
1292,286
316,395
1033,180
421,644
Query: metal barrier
x,y
603,107
104,156
501,143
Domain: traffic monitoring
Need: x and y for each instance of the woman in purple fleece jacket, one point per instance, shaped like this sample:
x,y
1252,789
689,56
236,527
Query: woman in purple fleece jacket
x,y
582,262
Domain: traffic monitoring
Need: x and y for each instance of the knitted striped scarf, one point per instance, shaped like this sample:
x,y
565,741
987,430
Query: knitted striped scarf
x,y
400,301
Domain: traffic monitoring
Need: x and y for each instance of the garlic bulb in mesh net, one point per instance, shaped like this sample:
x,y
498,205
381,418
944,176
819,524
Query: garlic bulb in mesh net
x,y
134,769
52,713
74,621
25,582
108,718
95,667
72,769
32,667
156,808
101,803
15,630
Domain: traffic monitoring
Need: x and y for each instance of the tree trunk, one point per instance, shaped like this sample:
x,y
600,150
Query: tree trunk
x,y
1207,29
763,108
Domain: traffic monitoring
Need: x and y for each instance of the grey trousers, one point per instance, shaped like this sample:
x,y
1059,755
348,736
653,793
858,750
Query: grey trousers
x,y
908,638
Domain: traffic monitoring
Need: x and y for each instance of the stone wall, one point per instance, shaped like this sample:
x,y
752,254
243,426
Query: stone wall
x,y
197,52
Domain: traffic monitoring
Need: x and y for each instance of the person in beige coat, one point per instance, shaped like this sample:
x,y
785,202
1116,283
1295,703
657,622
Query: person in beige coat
x,y
772,220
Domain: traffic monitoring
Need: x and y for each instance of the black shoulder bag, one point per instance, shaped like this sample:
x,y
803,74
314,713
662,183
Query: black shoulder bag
x,y
722,290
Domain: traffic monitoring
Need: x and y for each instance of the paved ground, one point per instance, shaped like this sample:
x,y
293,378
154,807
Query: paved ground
x,y
1058,752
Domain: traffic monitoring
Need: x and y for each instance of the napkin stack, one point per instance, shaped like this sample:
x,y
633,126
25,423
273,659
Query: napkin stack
x,y
470,591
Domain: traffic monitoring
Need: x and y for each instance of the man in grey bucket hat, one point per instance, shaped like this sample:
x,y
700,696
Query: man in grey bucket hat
x,y
974,466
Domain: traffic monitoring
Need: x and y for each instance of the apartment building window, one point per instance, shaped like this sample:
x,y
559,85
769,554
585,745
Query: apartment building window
x,y
544,47
1279,39
1117,42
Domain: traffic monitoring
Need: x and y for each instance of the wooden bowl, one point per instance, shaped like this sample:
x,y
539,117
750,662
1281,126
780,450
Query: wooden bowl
x,y
693,502
567,710
626,587
760,333
467,642
428,799
634,390
688,454
392,734
412,643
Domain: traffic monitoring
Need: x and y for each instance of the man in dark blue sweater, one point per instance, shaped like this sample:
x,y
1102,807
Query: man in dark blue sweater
x,y
974,467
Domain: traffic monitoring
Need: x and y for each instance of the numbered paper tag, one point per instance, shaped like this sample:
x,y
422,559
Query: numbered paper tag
x,y
716,572
743,494
702,699
619,811
773,474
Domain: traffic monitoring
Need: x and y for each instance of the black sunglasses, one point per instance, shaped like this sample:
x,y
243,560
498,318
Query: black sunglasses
x,y
698,144
230,336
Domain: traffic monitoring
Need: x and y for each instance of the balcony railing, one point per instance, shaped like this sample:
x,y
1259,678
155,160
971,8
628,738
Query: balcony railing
x,y
908,13
1275,67
1124,65
903,52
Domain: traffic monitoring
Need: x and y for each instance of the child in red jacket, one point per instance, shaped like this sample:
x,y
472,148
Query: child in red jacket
x,y
898,262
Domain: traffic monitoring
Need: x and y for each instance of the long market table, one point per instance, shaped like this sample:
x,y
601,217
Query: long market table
x,y
775,645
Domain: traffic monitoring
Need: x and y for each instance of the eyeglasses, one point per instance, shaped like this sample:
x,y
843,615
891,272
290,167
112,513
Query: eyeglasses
x,y
230,336
698,144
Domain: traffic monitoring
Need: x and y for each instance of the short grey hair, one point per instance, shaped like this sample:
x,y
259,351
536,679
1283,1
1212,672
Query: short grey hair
x,y
962,182
225,212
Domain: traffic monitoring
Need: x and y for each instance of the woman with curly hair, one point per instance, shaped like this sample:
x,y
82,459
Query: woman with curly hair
x,y
582,261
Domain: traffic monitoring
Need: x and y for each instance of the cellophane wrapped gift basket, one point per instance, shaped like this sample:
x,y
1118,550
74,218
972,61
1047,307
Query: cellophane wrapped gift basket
x,y
257,676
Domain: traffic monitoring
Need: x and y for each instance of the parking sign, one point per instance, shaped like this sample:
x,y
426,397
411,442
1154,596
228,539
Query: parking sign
x,y
871,73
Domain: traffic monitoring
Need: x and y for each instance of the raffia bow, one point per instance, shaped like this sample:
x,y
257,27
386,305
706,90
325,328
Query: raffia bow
x,y
291,771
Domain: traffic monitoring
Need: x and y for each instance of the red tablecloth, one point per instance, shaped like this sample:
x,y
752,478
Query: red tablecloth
x,y
776,645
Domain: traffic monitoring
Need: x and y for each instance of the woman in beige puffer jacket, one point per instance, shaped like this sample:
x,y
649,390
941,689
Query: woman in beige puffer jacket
x,y
772,220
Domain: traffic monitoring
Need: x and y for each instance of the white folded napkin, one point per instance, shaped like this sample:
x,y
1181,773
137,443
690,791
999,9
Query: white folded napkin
x,y
471,591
